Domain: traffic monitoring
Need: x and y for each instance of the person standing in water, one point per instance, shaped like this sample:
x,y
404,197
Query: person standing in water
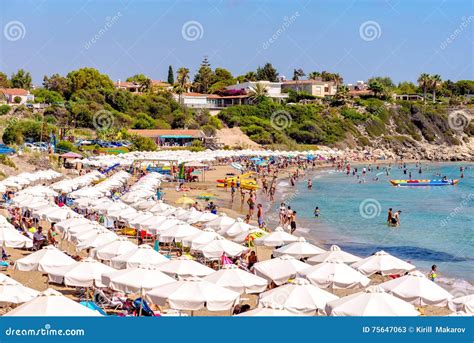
x,y
293,221
390,216
310,184
433,275
316,212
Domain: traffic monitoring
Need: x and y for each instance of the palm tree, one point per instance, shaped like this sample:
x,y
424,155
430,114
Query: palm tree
x,y
436,81
423,82
337,78
145,85
182,81
258,92
297,74
314,75
342,94
250,76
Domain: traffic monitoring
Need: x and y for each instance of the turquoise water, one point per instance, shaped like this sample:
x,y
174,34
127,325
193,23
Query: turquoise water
x,y
437,223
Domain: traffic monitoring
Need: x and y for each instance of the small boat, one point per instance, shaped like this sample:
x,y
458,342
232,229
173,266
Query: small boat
x,y
414,183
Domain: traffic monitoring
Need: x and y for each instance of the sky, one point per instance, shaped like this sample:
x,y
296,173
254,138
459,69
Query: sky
x,y
358,39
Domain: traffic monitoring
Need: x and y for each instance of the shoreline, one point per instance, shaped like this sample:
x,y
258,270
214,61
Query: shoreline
x,y
304,224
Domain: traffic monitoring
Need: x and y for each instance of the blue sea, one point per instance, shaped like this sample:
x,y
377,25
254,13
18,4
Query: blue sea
x,y
437,223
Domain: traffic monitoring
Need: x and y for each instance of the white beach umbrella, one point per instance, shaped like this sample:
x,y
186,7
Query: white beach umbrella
x,y
383,263
203,217
333,254
299,249
7,279
277,238
45,260
135,221
280,269
194,294
178,232
140,279
184,267
159,207
464,303
371,302
102,237
165,225
66,224
299,296
336,275
237,280
15,293
59,214
221,246
270,311
11,238
417,289
86,273
199,239
81,232
112,249
141,255
152,223
221,222
235,229
51,303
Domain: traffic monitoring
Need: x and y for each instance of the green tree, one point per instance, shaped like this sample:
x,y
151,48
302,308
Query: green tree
x,y
250,76
342,94
4,109
385,81
267,72
89,79
170,75
4,82
314,75
57,83
297,74
376,87
204,78
424,83
143,143
43,95
258,92
406,88
21,79
182,80
436,82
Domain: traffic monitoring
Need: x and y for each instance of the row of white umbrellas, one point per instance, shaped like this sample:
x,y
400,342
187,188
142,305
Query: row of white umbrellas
x,y
25,179
187,156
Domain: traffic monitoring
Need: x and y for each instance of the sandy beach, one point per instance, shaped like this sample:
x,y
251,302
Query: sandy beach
x,y
222,199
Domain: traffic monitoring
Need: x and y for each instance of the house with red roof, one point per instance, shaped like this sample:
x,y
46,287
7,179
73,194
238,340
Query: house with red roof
x,y
16,96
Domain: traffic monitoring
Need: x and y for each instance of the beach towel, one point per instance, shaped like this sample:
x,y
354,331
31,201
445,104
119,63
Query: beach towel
x,y
225,260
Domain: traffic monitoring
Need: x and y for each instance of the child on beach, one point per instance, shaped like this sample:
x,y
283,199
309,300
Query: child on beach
x,y
433,273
